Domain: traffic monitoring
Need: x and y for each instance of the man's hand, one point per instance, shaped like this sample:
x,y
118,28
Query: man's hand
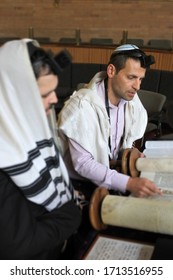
x,y
142,187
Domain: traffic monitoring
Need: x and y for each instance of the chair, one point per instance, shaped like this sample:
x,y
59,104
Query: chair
x,y
135,41
6,39
67,40
168,135
153,102
83,72
160,44
42,39
101,41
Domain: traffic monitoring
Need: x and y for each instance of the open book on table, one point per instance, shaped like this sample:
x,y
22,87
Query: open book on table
x,y
158,166
110,248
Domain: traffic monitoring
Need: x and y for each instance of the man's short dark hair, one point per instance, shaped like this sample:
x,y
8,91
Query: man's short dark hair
x,y
119,58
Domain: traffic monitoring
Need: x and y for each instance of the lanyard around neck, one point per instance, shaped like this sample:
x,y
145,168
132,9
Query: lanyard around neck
x,y
106,97
107,106
108,109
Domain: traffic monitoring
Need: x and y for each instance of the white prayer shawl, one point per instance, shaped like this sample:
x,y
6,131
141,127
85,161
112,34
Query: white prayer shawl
x,y
84,119
27,150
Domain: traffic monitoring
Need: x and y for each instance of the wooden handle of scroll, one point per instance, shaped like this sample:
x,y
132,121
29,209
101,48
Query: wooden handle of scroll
x,y
95,208
127,163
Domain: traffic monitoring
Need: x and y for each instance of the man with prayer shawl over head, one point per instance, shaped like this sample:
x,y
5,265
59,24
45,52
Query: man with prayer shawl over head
x,y
38,208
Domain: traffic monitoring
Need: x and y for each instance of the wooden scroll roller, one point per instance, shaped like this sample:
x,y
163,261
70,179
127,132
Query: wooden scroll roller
x,y
126,163
133,164
148,214
130,212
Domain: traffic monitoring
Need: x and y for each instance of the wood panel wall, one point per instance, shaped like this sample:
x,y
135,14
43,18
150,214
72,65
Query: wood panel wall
x,y
93,54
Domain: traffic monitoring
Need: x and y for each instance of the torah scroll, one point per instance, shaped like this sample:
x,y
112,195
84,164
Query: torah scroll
x,y
130,212
155,164
138,213
154,214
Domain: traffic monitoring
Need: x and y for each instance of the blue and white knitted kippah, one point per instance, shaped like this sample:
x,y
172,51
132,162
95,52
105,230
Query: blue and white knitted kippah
x,y
126,47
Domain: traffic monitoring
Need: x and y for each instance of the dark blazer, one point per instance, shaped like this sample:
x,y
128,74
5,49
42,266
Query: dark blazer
x,y
27,230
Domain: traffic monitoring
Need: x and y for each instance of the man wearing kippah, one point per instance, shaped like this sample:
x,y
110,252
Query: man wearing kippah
x,y
101,119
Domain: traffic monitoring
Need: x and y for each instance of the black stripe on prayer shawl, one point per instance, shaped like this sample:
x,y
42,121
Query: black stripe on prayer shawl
x,y
20,168
53,196
52,162
45,143
47,186
23,167
38,185
48,177
41,184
